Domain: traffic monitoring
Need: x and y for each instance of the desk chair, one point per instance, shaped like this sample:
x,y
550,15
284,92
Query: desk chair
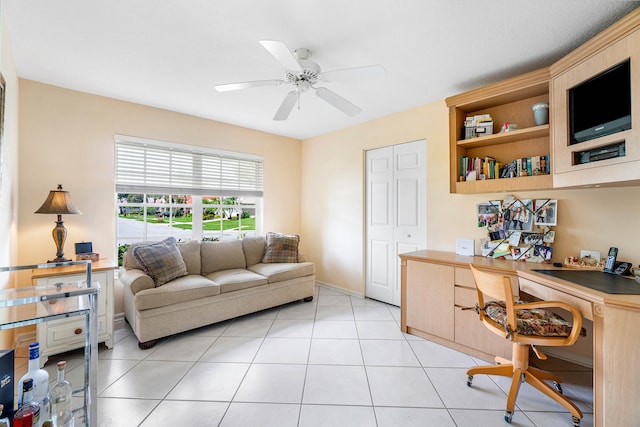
x,y
526,325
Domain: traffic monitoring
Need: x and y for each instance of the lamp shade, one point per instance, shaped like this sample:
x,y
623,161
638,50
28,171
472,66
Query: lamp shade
x,y
58,202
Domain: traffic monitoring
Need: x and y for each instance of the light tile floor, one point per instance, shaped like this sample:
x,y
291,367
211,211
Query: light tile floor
x,y
336,361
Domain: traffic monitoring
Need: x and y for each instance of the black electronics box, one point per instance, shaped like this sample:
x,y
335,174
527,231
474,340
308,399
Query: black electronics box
x,y
6,383
84,248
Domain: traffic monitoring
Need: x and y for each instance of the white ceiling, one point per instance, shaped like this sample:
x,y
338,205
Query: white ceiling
x,y
170,53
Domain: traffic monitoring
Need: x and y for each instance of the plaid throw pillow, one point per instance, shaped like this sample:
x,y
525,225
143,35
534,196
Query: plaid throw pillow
x,y
161,260
281,248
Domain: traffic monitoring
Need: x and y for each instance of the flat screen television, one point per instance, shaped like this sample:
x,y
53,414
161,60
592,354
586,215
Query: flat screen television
x,y
601,105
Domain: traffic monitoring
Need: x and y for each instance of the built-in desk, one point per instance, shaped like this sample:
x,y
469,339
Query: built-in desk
x,y
436,285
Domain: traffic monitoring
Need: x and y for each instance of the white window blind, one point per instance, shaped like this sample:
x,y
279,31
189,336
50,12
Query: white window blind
x,y
144,166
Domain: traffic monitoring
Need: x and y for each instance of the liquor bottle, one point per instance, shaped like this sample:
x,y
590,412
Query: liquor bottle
x,y
28,413
40,379
4,422
60,397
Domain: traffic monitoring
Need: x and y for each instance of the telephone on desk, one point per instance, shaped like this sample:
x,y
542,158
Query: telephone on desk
x,y
614,267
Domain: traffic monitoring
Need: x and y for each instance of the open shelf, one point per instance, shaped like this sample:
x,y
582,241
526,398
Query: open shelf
x,y
523,183
505,137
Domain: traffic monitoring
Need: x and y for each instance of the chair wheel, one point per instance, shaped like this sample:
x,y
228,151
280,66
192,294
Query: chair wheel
x,y
558,387
508,416
576,421
469,380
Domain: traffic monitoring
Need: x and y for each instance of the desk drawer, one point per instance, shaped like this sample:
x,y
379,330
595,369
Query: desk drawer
x,y
545,293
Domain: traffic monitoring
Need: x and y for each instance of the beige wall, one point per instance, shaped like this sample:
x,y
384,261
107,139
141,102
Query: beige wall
x,y
333,199
66,137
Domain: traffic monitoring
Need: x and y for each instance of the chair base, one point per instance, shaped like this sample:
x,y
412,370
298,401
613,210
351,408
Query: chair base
x,y
520,371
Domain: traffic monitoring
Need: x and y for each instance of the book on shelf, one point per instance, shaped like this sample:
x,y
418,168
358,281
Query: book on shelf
x,y
489,168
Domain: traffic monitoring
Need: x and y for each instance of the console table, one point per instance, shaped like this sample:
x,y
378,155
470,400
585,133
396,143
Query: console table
x,y
38,305
435,285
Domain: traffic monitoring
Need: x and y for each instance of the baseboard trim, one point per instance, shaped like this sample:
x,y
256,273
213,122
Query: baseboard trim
x,y
341,289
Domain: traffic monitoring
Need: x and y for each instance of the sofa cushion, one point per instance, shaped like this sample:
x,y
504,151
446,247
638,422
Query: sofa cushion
x,y
281,248
225,255
190,251
161,260
277,272
129,262
236,279
182,289
253,248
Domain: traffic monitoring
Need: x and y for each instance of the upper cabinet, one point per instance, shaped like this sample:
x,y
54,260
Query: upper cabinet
x,y
595,94
507,102
593,135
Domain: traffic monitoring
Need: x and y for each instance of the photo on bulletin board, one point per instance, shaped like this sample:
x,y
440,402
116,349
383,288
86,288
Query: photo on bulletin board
x,y
545,252
518,216
549,237
546,212
488,214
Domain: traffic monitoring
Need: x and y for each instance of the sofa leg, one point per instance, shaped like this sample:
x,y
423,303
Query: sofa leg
x,y
308,299
146,345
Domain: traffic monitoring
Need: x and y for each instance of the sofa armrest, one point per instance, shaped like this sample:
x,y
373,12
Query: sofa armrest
x,y
303,257
136,280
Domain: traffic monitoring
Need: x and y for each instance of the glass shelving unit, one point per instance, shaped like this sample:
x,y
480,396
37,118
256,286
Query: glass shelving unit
x,y
30,305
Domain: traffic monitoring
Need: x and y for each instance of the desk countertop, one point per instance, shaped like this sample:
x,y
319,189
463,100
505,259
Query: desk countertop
x,y
526,270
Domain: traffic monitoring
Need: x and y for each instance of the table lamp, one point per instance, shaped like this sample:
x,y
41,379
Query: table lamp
x,y
58,202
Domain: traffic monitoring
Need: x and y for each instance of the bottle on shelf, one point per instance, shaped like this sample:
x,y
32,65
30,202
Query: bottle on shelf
x,y
28,413
40,379
60,398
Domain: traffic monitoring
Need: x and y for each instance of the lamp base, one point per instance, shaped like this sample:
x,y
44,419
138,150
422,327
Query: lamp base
x,y
59,259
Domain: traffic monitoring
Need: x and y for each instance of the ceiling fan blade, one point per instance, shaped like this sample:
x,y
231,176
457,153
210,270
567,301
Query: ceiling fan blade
x,y
286,106
246,85
282,53
339,102
368,72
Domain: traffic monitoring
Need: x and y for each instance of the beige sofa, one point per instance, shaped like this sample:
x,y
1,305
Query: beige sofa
x,y
223,280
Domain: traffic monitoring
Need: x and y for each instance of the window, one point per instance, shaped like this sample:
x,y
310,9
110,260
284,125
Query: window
x,y
165,189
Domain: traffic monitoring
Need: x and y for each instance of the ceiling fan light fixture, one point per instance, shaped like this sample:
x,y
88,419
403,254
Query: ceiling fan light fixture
x,y
303,73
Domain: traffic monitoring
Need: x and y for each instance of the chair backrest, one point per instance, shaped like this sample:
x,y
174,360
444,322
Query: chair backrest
x,y
498,288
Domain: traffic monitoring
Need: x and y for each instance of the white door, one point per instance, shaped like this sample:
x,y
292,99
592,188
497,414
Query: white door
x,y
395,214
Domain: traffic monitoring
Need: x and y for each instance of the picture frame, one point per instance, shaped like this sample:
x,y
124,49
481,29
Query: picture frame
x,y
546,213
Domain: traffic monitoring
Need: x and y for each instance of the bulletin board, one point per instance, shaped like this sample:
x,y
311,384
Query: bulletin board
x,y
518,229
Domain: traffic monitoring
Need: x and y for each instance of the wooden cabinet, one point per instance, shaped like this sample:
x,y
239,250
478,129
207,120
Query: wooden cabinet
x,y
622,333
433,295
508,101
429,298
609,48
62,335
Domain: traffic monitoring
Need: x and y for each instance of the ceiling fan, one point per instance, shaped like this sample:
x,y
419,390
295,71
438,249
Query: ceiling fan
x,y
304,74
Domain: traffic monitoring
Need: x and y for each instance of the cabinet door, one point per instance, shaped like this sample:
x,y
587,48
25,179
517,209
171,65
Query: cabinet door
x,y
430,298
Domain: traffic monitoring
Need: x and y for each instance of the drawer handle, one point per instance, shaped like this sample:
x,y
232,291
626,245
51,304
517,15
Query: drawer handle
x,y
78,331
